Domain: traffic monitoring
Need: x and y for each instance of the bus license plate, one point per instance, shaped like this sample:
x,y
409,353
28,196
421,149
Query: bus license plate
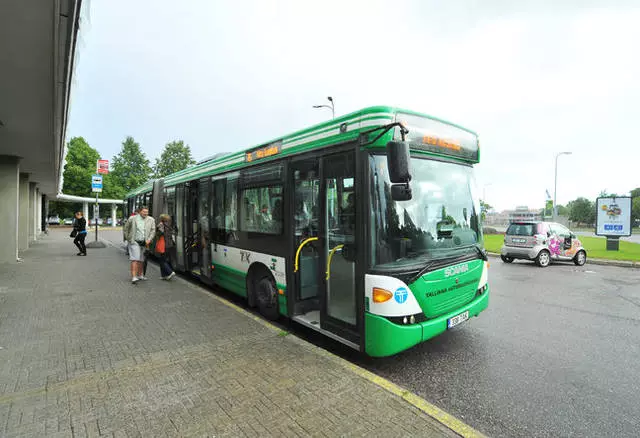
x,y
458,319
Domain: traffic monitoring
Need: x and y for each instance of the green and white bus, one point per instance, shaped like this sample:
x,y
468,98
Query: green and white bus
x,y
365,228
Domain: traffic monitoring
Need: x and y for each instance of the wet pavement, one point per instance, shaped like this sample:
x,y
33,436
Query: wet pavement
x,y
556,354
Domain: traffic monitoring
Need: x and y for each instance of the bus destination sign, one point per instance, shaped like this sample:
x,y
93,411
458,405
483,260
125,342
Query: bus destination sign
x,y
442,138
264,152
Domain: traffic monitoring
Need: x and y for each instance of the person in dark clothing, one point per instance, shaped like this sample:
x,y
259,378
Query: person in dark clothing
x,y
165,230
80,227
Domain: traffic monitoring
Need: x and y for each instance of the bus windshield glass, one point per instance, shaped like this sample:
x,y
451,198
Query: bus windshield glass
x,y
440,221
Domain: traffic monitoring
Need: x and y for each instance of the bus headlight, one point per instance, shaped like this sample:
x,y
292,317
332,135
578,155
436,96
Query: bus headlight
x,y
482,285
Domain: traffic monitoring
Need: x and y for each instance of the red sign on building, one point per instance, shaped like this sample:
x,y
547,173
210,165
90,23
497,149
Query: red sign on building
x,y
103,166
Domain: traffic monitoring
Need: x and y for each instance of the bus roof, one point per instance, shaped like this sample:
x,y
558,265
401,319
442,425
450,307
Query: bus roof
x,y
341,129
144,188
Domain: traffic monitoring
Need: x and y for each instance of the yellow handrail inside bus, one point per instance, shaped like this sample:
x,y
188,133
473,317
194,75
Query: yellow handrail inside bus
x,y
329,259
304,242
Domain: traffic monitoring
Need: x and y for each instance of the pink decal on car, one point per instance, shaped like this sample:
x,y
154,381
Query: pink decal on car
x,y
554,246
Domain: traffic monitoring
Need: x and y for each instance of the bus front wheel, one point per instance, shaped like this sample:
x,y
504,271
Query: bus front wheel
x,y
267,298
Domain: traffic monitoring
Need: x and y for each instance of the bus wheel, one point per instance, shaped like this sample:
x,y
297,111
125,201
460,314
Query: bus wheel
x,y
267,298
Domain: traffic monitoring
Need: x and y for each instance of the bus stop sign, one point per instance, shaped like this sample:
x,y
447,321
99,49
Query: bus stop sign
x,y
96,183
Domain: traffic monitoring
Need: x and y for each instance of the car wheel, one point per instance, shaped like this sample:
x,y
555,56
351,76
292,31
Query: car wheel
x,y
580,258
267,297
506,259
544,258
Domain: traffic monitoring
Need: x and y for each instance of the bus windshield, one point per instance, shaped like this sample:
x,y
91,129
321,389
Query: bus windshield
x,y
440,221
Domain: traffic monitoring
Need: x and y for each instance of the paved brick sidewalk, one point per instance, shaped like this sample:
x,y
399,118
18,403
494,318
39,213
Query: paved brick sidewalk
x,y
85,353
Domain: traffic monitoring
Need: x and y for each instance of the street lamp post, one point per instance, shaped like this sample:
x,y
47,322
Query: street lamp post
x,y
332,108
555,186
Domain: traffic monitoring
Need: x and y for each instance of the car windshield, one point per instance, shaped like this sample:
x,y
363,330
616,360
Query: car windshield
x,y
440,221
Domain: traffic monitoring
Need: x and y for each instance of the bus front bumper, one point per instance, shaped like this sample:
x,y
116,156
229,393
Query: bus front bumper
x,y
384,338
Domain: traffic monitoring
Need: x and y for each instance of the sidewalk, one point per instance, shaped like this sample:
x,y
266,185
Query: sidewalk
x,y
85,353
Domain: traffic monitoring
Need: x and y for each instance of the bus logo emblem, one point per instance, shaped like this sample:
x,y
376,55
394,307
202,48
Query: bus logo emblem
x,y
401,294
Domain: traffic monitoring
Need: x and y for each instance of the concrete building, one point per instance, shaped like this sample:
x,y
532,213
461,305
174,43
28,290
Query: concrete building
x,y
37,52
523,213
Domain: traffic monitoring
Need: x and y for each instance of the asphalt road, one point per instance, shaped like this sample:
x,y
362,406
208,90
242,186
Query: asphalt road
x,y
556,354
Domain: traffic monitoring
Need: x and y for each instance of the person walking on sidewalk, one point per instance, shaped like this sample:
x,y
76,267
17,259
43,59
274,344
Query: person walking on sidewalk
x,y
165,244
124,227
139,233
80,233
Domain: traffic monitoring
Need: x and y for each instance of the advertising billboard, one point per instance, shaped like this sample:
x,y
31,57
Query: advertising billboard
x,y
613,216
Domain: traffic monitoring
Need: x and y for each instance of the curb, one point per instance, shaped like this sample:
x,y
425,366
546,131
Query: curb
x,y
602,262
444,418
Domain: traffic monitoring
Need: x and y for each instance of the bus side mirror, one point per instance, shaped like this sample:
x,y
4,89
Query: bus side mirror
x,y
401,192
398,162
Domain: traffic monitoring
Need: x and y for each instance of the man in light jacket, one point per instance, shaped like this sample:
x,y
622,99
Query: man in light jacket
x,y
139,232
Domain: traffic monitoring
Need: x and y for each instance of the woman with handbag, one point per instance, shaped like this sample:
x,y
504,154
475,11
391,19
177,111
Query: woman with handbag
x,y
80,233
164,246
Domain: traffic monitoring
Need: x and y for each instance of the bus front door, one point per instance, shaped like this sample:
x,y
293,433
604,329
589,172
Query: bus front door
x,y
192,247
324,227
339,247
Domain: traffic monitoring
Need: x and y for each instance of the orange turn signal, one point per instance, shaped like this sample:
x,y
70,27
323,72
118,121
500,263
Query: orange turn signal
x,y
381,295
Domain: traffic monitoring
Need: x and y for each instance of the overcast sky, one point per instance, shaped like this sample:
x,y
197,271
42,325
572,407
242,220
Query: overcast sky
x,y
225,75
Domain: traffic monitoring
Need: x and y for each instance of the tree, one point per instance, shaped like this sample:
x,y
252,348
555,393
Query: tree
x,y
635,209
80,164
562,210
582,211
130,168
484,208
175,156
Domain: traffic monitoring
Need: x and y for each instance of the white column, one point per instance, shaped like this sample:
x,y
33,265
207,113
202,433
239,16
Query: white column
x,y
9,207
23,213
33,211
85,211
114,207
38,217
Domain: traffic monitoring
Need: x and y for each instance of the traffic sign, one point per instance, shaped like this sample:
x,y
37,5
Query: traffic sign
x,y
96,183
102,166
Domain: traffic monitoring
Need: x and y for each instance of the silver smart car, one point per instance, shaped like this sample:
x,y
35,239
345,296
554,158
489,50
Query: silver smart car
x,y
542,242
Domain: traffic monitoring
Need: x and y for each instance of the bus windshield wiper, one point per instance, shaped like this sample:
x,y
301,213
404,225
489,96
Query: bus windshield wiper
x,y
481,252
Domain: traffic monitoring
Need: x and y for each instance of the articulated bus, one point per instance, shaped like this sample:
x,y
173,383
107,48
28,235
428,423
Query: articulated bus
x,y
365,228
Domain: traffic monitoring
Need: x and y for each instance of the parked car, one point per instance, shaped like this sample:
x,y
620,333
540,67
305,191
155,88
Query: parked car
x,y
542,242
54,220
68,221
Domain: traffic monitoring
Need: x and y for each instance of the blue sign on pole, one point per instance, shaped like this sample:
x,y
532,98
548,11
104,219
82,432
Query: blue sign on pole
x,y
96,183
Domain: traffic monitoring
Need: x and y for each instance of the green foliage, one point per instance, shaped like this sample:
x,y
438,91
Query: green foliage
x,y
130,168
635,209
80,165
484,208
175,157
582,211
562,210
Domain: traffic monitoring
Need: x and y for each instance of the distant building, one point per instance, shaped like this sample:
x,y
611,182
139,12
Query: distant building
x,y
523,213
